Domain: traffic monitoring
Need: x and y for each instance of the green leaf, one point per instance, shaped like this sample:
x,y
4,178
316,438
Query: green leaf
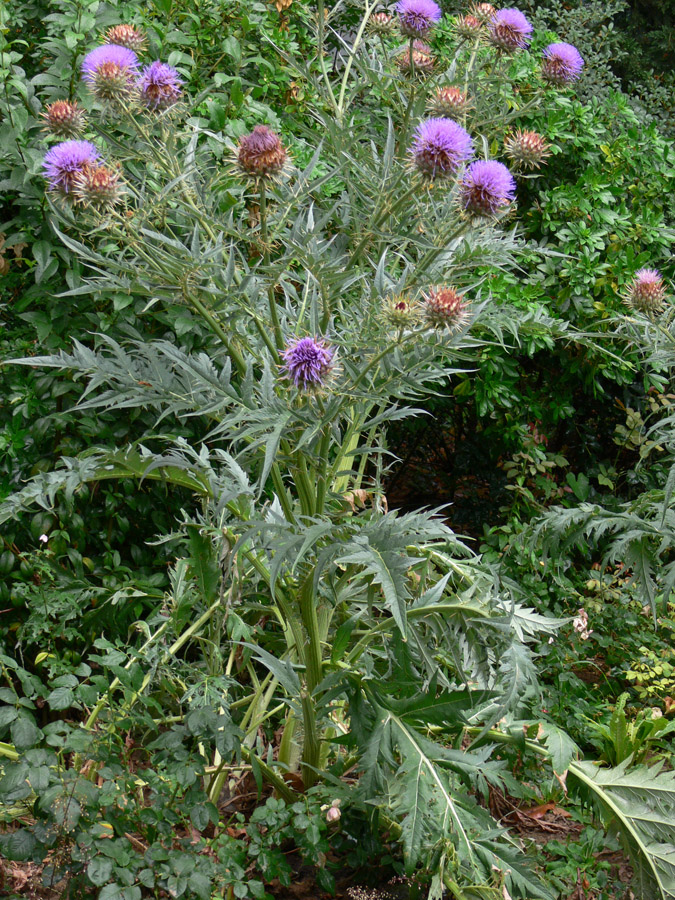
x,y
560,746
99,870
25,733
18,845
61,698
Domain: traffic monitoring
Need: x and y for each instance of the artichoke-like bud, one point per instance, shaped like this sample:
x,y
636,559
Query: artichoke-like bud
x,y
126,36
64,118
445,307
467,27
646,293
528,149
97,186
381,23
421,61
448,103
261,153
400,311
484,12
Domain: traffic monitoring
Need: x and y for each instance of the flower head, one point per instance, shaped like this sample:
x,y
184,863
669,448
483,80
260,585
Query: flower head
x,y
110,71
646,292
420,60
486,188
509,30
439,148
381,23
97,185
308,362
64,118
448,102
400,311
527,148
562,63
468,27
483,11
444,307
160,85
418,17
261,153
63,162
126,36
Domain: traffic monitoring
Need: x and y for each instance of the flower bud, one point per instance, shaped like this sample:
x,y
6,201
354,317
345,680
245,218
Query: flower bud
x,y
467,27
527,148
64,118
97,186
381,23
448,103
126,36
420,61
484,12
445,308
400,312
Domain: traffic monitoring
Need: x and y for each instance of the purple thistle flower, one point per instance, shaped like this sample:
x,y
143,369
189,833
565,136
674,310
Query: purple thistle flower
x,y
510,30
440,146
418,17
108,54
160,85
486,188
308,361
562,63
64,162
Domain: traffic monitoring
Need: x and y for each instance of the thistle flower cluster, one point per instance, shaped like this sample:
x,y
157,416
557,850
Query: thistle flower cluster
x,y
308,362
509,30
647,292
562,64
113,73
74,170
418,17
527,149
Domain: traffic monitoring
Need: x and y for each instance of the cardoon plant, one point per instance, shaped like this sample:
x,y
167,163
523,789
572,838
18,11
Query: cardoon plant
x,y
329,301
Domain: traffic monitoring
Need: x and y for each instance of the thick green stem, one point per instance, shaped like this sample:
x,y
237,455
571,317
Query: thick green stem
x,y
348,67
264,239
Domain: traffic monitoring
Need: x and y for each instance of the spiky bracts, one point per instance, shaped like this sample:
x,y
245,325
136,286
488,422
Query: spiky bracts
x,y
97,186
419,61
527,149
448,102
126,36
64,118
445,307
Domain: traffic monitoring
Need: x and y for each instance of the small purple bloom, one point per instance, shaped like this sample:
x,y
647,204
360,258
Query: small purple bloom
x,y
486,188
418,17
562,63
308,361
160,85
510,30
440,146
108,55
65,161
